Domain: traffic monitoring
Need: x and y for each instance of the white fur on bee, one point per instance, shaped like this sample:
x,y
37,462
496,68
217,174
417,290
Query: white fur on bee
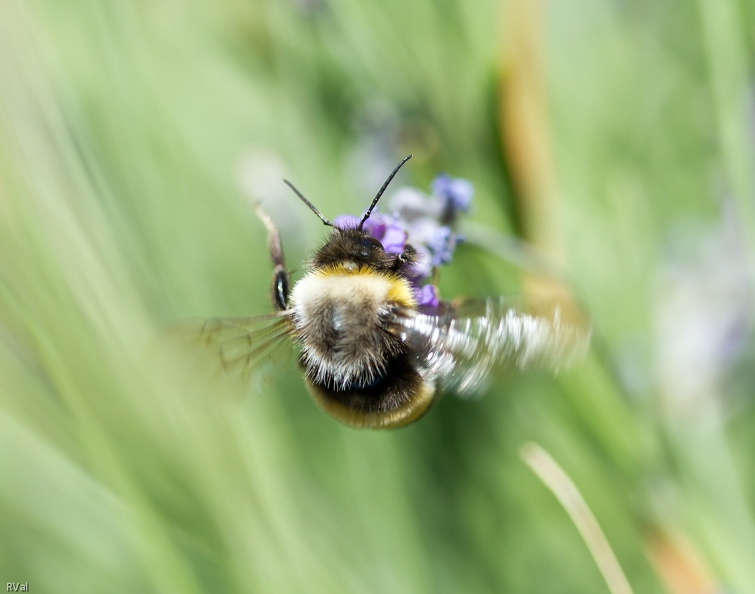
x,y
339,316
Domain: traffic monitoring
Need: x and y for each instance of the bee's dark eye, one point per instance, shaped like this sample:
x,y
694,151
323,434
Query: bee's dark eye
x,y
368,245
372,242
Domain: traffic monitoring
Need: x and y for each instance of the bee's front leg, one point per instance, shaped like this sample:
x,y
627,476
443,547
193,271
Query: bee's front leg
x,y
407,257
281,285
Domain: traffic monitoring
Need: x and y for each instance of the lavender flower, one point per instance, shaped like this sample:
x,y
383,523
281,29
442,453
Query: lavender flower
x,y
427,296
423,221
455,194
346,222
439,240
410,204
388,230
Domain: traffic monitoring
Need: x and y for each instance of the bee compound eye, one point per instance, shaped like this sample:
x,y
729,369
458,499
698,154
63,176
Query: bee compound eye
x,y
369,245
372,242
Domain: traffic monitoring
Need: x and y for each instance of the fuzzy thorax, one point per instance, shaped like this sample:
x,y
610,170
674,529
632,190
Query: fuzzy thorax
x,y
341,314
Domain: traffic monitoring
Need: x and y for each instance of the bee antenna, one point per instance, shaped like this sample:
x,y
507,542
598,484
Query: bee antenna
x,y
312,207
380,192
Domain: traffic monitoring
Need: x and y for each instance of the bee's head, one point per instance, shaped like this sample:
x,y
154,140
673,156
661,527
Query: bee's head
x,y
346,246
350,244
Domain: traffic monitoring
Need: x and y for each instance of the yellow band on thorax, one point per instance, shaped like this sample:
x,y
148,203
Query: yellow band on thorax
x,y
399,289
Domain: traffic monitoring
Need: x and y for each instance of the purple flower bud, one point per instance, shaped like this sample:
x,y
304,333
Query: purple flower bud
x,y
438,239
346,222
375,226
427,296
424,222
455,192
442,245
394,239
387,230
410,204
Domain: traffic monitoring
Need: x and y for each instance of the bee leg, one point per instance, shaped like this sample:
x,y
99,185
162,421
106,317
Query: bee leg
x,y
281,285
408,256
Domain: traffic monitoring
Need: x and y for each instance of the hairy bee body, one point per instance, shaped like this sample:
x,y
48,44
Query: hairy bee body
x,y
371,355
356,364
341,319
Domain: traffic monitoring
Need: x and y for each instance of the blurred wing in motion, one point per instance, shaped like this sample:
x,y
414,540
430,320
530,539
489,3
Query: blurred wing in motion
x,y
245,346
458,345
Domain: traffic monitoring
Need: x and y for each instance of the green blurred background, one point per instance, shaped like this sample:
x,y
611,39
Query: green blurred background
x,y
134,138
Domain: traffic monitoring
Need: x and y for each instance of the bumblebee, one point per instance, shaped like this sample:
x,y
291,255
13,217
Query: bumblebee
x,y
372,356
